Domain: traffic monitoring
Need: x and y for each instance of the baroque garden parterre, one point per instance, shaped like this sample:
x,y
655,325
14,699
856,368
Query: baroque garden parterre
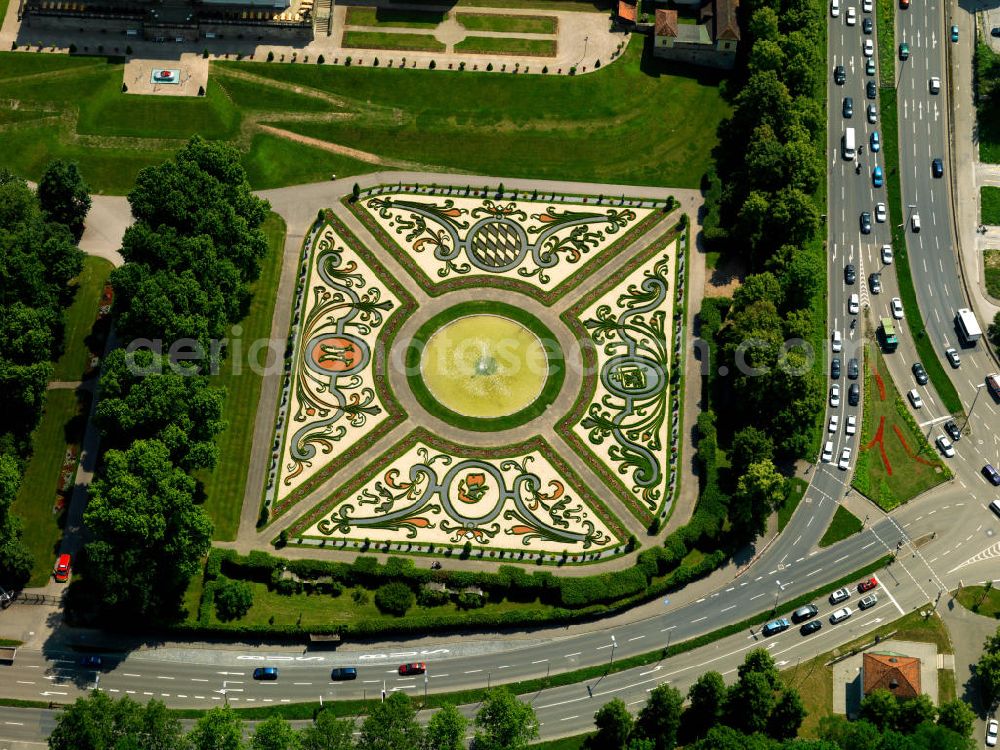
x,y
548,319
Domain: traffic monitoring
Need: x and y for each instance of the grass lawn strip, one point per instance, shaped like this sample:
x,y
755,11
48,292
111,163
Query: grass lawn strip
x,y
843,525
814,679
982,600
507,46
914,320
794,493
395,17
225,485
273,162
895,462
987,84
511,24
356,707
991,266
16,64
886,29
62,423
387,41
80,320
990,205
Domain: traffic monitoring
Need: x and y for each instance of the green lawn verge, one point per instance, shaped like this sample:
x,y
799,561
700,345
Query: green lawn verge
x,y
914,320
795,490
909,472
80,318
885,11
507,46
576,742
987,85
475,695
260,97
814,679
509,23
397,17
989,212
274,161
991,267
544,127
981,600
843,525
946,685
383,40
62,423
225,485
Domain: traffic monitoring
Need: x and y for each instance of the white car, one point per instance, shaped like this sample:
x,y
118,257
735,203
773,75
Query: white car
x,y
852,15
872,113
947,449
840,615
852,424
834,423
991,733
897,308
853,304
827,456
887,254
834,395
866,6
915,223
835,8
869,48
914,396
845,459
880,213
935,84
836,342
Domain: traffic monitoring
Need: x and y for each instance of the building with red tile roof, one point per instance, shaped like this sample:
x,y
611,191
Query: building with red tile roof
x,y
898,674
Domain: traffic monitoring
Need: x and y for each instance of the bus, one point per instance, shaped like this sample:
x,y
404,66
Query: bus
x,y
847,144
887,335
968,326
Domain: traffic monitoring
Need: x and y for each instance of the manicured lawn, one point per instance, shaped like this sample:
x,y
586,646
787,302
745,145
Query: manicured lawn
x,y
387,41
990,205
796,489
554,127
274,162
225,486
991,265
63,422
984,601
408,19
906,464
511,46
946,685
252,96
843,525
510,24
14,64
80,319
566,743
814,680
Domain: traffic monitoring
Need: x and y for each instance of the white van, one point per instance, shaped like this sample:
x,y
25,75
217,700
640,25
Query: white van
x,y
835,8
848,145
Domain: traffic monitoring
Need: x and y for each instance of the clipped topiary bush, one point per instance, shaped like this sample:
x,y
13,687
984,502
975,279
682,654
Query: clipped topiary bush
x,y
394,598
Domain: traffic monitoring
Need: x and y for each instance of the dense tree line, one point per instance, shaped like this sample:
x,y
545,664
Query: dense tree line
x,y
761,210
193,250
99,722
988,669
38,259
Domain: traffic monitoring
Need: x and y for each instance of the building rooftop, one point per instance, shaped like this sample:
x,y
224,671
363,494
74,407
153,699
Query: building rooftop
x,y
898,674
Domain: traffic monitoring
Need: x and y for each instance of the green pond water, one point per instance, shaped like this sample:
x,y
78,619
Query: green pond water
x,y
484,366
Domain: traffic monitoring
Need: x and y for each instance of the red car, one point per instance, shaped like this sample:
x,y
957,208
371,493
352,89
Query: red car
x,y
867,585
417,667
61,571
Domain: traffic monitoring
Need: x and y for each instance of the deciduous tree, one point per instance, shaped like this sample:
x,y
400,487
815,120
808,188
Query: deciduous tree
x,y
218,729
660,718
614,725
64,197
445,730
504,722
392,725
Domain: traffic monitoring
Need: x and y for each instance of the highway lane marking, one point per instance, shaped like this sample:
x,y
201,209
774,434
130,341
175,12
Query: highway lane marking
x,y
23,682
664,630
567,718
181,696
473,671
575,653
757,596
731,588
605,646
130,674
504,666
635,638
699,601
698,620
200,697
14,723
198,679
161,677
728,608
130,692
814,572
370,681
840,559
302,683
